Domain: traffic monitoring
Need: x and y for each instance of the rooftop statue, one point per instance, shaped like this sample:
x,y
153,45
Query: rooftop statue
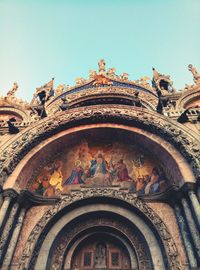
x,y
11,92
102,66
92,74
196,75
80,81
111,72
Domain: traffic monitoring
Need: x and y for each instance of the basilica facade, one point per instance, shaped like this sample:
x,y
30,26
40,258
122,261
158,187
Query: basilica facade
x,y
102,175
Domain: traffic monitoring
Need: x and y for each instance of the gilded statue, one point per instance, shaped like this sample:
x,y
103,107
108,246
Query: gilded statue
x,y
102,66
80,81
196,75
111,72
143,81
100,79
92,74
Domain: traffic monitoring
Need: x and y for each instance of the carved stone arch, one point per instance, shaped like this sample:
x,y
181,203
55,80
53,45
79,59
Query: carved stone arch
x,y
187,98
42,155
181,137
71,205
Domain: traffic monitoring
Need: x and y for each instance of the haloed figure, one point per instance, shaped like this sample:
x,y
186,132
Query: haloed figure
x,y
76,175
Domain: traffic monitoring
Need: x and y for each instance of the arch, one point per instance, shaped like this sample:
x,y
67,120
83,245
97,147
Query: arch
x,y
69,256
182,138
125,206
20,114
187,98
36,157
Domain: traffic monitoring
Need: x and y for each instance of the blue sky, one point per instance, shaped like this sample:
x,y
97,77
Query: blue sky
x,y
41,39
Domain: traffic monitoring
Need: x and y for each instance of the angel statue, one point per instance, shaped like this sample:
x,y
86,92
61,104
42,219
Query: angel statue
x,y
111,72
92,74
102,66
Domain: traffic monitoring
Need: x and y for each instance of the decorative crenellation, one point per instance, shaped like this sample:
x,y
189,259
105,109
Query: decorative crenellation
x,y
38,234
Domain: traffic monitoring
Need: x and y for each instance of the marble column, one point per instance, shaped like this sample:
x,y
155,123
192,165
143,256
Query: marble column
x,y
13,240
1,196
192,227
198,192
7,230
4,209
185,236
195,206
1,199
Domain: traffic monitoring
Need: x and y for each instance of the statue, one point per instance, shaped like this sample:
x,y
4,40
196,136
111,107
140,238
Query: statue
x,y
111,72
80,81
102,66
11,92
100,261
92,74
136,100
143,81
124,76
196,75
65,105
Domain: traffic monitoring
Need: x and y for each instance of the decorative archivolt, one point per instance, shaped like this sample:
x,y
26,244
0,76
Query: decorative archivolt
x,y
182,138
147,98
38,234
188,97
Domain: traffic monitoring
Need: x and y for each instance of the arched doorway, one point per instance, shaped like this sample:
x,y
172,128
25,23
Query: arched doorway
x,y
101,235
101,251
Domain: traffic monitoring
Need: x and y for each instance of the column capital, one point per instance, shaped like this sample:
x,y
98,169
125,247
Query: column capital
x,y
10,193
187,187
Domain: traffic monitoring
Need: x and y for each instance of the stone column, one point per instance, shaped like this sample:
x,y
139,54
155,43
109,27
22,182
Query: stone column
x,y
185,236
4,209
1,196
192,227
7,230
13,240
198,191
195,206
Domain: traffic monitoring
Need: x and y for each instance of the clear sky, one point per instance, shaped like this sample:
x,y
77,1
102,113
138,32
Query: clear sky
x,y
41,39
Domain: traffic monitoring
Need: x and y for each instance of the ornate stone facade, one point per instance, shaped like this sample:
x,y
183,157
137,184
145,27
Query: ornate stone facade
x,y
90,170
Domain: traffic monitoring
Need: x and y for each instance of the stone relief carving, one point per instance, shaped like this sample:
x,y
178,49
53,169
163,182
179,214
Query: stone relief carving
x,y
58,256
38,234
